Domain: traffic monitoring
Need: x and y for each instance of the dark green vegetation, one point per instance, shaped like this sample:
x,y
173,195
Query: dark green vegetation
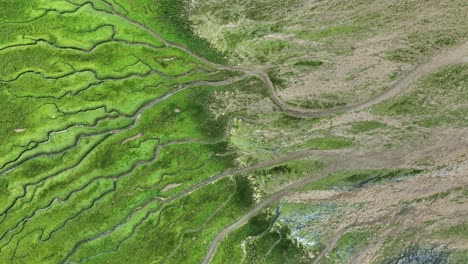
x,y
358,179
262,241
172,24
309,63
455,231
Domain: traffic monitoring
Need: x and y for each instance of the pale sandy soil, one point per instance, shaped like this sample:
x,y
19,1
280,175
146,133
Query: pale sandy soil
x,y
137,136
170,187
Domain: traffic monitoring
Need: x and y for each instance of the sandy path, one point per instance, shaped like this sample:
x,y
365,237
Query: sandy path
x,y
340,161
458,54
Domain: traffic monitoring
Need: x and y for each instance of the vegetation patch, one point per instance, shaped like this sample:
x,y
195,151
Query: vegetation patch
x,y
424,43
357,179
366,126
326,143
309,63
273,178
347,245
260,240
437,100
